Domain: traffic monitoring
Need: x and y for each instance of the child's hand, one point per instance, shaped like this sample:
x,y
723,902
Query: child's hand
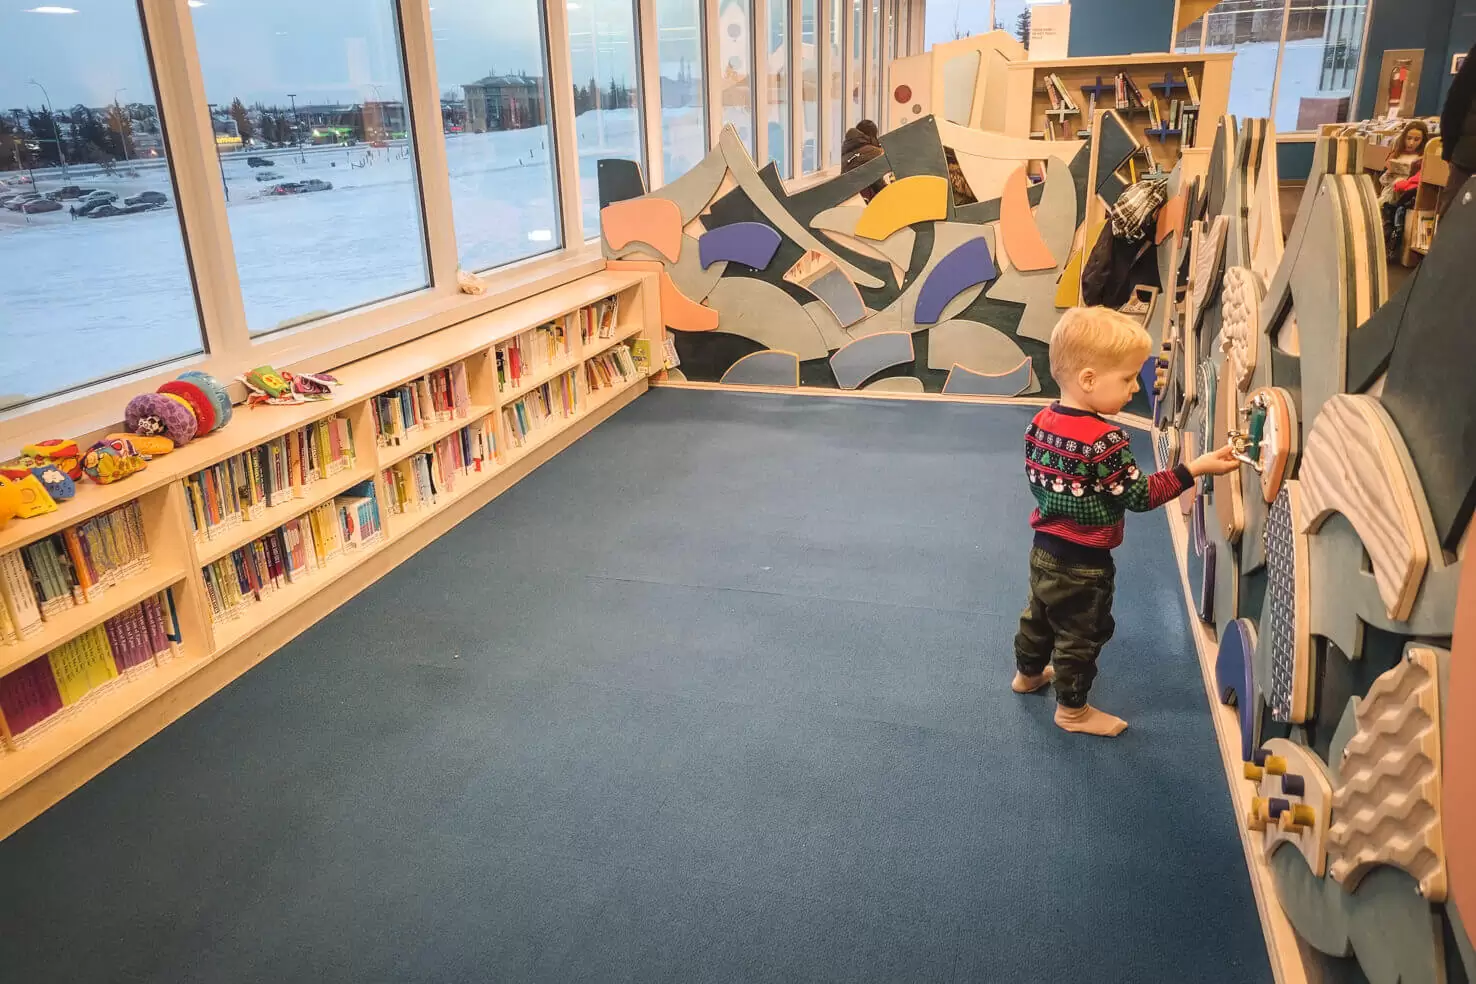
x,y
1221,461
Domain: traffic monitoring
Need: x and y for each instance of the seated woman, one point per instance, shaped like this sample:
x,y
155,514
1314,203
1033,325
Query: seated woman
x,y
1400,181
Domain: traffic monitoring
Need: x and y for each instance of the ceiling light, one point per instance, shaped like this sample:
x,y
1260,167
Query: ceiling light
x,y
51,10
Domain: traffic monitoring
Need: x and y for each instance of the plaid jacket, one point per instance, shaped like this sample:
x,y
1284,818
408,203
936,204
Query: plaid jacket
x,y
1084,479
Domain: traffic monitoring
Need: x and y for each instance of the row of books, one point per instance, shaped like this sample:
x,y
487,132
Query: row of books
x,y
536,349
433,398
295,550
558,398
43,579
130,642
1060,96
423,479
598,320
241,488
609,369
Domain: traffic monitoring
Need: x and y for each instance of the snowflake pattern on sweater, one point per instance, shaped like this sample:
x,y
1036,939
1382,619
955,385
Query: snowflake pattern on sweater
x,y
1085,479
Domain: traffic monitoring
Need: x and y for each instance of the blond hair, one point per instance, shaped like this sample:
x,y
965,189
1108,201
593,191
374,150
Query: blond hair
x,y
1096,338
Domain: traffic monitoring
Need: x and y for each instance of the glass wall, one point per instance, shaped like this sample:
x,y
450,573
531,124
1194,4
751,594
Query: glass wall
x,y
683,87
874,60
835,84
607,99
855,73
777,74
809,88
94,280
326,216
499,143
735,52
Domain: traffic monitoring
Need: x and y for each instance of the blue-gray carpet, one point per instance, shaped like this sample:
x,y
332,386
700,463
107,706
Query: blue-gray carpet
x,y
719,694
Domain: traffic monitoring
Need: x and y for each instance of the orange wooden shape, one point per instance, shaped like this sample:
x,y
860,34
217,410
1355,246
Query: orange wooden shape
x,y
677,309
654,221
1170,218
1459,746
1023,243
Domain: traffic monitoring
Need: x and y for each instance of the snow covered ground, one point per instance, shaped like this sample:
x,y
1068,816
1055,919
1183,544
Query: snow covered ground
x,y
89,298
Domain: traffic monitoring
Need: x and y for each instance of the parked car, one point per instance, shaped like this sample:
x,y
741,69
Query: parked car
x,y
104,211
147,198
40,205
141,207
87,208
301,187
99,198
315,184
67,193
259,162
268,176
17,201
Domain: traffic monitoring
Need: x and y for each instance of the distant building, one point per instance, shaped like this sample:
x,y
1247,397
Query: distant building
x,y
504,102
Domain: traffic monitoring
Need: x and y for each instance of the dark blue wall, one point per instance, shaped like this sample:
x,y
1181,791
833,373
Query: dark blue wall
x,y
1462,36
1294,160
1424,24
1120,27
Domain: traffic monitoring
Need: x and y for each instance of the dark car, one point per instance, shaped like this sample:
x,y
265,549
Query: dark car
x,y
147,198
40,205
258,162
70,191
87,208
140,207
104,211
15,204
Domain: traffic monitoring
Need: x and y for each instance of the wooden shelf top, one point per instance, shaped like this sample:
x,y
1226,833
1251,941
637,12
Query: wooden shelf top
x,y
1172,59
208,551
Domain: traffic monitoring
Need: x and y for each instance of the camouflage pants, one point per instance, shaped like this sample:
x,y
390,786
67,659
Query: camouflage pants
x,y
1066,623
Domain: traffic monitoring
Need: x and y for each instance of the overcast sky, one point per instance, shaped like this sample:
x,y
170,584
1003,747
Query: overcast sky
x,y
322,50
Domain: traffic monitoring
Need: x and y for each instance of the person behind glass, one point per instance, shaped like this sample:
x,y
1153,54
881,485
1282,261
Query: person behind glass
x,y
1458,131
859,146
1400,180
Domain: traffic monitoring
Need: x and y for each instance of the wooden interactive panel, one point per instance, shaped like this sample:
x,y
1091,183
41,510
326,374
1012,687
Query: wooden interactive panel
x,y
1387,803
1208,259
1229,502
966,382
1235,679
1286,633
1202,562
1350,465
1023,243
1240,327
919,198
766,368
966,266
751,243
1280,440
656,222
1460,747
1293,802
865,357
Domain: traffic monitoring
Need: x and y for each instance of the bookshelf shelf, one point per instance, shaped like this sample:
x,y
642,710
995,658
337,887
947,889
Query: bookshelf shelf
x,y
551,371
419,440
69,624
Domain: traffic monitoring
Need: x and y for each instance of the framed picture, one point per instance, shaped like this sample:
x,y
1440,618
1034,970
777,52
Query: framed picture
x,y
1456,62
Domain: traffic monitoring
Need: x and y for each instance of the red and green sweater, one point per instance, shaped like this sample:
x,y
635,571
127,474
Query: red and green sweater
x,y
1084,479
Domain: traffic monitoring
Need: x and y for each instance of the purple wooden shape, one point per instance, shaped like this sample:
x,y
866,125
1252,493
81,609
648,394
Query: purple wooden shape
x,y
966,266
1146,377
1235,680
1201,563
752,243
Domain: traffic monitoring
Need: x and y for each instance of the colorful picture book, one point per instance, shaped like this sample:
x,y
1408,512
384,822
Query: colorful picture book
x,y
427,477
242,488
433,398
598,320
536,349
43,579
609,369
556,399
133,641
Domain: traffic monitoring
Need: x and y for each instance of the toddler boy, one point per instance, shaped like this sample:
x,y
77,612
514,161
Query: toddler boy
x,y
1084,478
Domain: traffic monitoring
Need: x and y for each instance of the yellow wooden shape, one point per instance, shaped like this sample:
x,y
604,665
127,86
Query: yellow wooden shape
x,y
920,198
1068,288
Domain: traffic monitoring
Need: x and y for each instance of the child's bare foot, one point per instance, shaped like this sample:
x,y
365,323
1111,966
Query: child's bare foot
x,y
1089,721
1023,684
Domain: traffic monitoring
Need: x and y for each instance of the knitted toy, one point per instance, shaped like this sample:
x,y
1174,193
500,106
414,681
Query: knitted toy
x,y
150,446
58,484
110,461
10,501
152,414
34,500
198,401
216,390
63,454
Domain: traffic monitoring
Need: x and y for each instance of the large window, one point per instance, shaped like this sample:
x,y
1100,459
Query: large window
x,y
607,105
492,65
809,87
94,281
313,134
874,69
835,85
735,51
778,83
683,92
856,73
1298,58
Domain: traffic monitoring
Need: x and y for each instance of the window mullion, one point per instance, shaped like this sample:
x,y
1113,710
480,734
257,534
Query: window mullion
x,y
868,70
759,33
648,54
795,47
822,84
1280,57
566,143
429,132
711,45
199,190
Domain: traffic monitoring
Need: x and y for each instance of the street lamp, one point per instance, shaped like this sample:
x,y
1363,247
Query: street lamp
x,y
122,136
296,129
60,151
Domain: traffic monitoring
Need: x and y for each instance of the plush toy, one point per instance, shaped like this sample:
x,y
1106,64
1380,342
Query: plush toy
x,y
265,379
63,454
197,400
111,461
312,385
150,446
34,499
220,397
58,484
10,501
152,414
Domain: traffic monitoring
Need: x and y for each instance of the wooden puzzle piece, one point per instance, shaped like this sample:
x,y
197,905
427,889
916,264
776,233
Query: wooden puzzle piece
x,y
1460,745
1037,289
919,198
1235,679
1222,159
687,273
1285,619
835,291
989,159
834,335
1280,445
1208,259
1240,327
1023,242
1196,236
966,382
976,347
841,220
767,368
1387,808
678,311
1350,465
618,179
1166,447
960,76
1229,493
865,357
895,384
1294,801
1170,218
1114,143
945,238
1267,240
654,221
1203,563
767,315
966,266
750,243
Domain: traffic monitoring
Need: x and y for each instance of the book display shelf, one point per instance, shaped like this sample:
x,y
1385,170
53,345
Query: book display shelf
x,y
133,602
1168,111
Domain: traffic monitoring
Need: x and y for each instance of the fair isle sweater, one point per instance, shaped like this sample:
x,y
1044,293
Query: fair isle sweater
x,y
1084,479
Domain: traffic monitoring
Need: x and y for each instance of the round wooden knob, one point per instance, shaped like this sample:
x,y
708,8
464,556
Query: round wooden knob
x,y
1254,772
1275,764
1255,818
1293,784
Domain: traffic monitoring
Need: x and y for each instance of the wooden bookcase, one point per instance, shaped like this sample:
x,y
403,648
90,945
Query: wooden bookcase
x,y
47,761
1161,76
1434,173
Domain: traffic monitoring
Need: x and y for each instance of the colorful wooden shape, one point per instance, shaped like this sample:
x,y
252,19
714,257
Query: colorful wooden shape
x,y
1113,146
1148,379
988,159
836,291
1235,678
678,311
1388,804
1229,489
976,347
1023,243
1202,563
865,357
1280,439
960,76
1293,802
751,243
895,384
1208,262
966,382
919,198
1460,746
619,179
1170,218
1264,226
1285,621
965,267
766,368
1240,325
654,221
762,312
1351,465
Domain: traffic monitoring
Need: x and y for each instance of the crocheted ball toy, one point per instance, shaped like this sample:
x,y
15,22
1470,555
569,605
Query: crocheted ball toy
x,y
198,400
220,397
155,413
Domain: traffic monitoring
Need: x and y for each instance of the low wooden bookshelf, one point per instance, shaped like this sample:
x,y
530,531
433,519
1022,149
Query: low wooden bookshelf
x,y
207,647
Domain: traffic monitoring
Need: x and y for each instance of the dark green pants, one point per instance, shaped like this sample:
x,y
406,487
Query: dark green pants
x,y
1066,623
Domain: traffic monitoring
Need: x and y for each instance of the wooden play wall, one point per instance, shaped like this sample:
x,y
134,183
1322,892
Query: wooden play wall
x,y
1327,573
